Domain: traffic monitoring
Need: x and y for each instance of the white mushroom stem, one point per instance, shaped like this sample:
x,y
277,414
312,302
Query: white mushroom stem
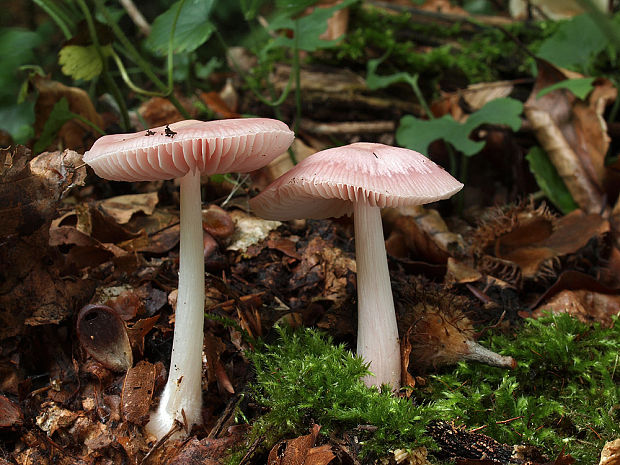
x,y
377,331
182,396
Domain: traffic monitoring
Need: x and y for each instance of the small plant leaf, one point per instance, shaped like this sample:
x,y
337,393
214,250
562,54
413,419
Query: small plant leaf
x,y
581,87
501,111
375,81
81,62
417,134
59,115
574,44
549,180
18,120
193,27
308,27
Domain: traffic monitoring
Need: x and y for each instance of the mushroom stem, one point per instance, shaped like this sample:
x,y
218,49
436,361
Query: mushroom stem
x,y
182,397
377,331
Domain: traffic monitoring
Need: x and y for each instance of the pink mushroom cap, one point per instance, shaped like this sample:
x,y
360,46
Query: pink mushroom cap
x,y
327,183
166,152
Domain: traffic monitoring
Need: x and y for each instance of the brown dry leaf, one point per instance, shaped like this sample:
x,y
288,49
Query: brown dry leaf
x,y
443,6
123,207
573,133
52,417
159,111
478,95
34,292
208,451
585,305
552,9
72,134
610,455
522,242
218,105
338,23
459,272
31,189
10,413
137,392
425,233
299,451
160,232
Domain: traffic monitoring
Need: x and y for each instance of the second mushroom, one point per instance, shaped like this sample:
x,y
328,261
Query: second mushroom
x,y
360,179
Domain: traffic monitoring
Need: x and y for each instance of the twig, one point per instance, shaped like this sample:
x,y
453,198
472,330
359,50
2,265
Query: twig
x,y
176,426
136,16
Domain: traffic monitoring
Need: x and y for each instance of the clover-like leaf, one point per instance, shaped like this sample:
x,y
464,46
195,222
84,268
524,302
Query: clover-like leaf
x,y
308,28
193,27
575,43
417,134
82,62
580,87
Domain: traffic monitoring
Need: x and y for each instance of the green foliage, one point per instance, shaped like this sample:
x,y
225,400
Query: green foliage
x,y
564,393
580,87
574,44
59,115
16,49
305,378
193,27
417,134
307,28
549,180
484,55
81,62
375,81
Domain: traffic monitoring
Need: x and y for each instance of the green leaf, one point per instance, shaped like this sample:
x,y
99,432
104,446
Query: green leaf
x,y
581,87
417,134
193,27
574,44
375,81
81,62
18,120
16,49
59,115
502,111
549,180
308,28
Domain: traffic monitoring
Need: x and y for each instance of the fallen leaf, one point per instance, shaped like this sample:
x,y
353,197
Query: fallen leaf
x,y
73,134
137,392
299,451
31,188
610,455
10,413
573,133
123,207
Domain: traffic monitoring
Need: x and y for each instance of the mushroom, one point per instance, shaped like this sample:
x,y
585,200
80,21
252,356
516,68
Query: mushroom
x,y
360,179
186,150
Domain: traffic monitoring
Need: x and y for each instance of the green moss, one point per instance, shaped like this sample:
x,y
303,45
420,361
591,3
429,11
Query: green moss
x,y
565,393
305,378
471,54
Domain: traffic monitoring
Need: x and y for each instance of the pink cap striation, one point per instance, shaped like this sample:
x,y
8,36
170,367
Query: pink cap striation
x,y
328,182
166,152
